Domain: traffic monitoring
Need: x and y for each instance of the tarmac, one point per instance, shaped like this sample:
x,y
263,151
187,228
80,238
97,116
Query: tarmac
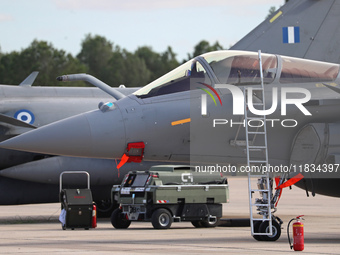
x,y
34,229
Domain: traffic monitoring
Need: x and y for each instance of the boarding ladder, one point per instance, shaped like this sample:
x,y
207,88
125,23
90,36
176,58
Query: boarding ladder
x,y
257,158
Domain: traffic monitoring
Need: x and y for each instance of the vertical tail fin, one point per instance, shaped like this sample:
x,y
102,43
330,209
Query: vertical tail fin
x,y
29,79
305,28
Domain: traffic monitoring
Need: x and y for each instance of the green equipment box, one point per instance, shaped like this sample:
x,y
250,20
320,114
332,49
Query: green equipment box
x,y
170,193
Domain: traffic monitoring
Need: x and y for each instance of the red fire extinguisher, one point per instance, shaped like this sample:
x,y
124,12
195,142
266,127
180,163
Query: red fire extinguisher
x,y
298,236
94,216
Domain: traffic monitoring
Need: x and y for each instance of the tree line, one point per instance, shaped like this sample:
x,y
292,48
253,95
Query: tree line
x,y
98,57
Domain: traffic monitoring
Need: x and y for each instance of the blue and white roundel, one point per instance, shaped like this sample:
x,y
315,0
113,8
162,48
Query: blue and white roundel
x,y
25,116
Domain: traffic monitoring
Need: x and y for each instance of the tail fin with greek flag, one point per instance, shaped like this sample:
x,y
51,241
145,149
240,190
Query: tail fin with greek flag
x,y
305,29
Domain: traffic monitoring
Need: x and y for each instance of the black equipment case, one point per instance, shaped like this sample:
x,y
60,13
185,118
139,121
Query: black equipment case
x,y
77,205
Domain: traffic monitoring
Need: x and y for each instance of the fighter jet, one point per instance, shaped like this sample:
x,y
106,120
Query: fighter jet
x,y
162,115
274,28
34,177
204,112
27,107
30,177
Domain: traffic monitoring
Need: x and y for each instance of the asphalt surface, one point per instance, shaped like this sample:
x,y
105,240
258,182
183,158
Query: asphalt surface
x,y
34,229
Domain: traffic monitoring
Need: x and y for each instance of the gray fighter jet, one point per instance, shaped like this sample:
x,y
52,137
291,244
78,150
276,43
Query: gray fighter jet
x,y
216,111
274,28
33,177
27,107
173,121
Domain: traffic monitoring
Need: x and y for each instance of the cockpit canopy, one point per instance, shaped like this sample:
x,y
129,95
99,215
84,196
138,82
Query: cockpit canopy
x,y
239,68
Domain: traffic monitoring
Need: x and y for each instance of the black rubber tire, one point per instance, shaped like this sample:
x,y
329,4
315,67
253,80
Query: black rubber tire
x,y
256,230
197,223
207,224
161,219
118,220
264,228
105,208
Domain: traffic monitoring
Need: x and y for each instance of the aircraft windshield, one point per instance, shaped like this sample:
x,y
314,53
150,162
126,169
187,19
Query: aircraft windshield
x,y
241,68
175,81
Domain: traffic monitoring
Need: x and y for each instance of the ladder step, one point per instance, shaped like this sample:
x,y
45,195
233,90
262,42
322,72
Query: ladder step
x,y
257,219
255,150
256,132
257,147
258,161
267,205
260,190
260,234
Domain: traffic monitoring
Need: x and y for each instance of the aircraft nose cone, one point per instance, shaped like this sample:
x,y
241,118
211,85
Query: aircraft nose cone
x,y
93,134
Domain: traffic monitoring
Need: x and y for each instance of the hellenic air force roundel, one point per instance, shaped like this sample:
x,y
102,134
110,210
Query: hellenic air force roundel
x,y
25,116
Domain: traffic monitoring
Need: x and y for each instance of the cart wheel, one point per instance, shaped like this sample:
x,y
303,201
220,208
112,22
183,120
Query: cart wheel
x,y
118,220
210,224
256,230
161,219
197,223
264,228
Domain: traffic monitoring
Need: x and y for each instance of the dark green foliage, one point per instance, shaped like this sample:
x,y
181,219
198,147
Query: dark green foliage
x,y
39,56
98,57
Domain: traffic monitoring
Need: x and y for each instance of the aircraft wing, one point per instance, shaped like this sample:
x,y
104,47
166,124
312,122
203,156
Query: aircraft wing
x,y
14,126
14,122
